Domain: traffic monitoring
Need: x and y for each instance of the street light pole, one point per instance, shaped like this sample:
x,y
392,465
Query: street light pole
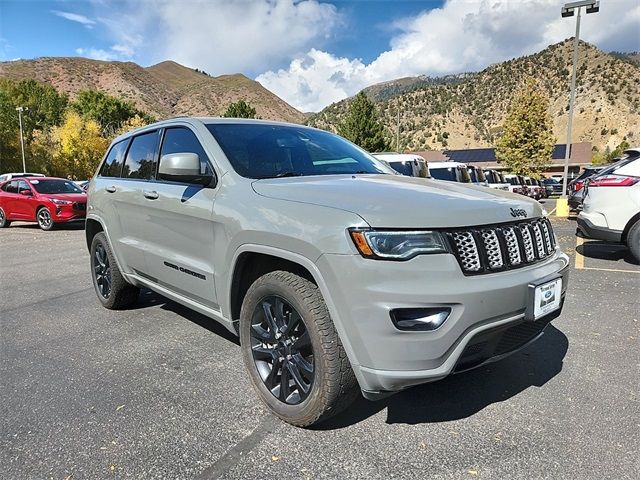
x,y
20,110
568,10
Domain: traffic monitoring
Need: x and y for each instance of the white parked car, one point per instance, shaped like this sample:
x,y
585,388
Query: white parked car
x,y
611,208
450,171
496,180
405,163
8,176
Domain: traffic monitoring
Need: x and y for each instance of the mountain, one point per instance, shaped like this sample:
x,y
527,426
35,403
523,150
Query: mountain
x,y
468,110
163,90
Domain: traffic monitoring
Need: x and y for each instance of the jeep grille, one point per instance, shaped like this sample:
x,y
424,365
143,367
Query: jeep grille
x,y
502,247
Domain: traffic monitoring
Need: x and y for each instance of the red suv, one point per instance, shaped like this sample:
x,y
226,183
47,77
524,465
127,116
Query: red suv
x,y
44,200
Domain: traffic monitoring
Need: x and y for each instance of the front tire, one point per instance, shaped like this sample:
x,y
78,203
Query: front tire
x,y
4,223
43,217
633,240
293,354
113,291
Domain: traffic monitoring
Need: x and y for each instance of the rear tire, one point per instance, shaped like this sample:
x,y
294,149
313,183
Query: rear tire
x,y
633,240
43,217
4,223
113,291
305,350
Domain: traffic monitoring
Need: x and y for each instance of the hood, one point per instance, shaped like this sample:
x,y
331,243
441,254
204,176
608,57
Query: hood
x,y
396,201
72,197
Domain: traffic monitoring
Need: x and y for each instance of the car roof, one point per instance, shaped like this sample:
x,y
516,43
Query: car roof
x,y
446,164
397,157
207,121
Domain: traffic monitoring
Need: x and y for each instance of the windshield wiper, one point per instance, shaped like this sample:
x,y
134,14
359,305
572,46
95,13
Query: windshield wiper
x,y
288,174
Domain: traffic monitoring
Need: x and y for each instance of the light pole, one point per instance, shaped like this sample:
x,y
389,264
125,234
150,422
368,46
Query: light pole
x,y
568,10
20,110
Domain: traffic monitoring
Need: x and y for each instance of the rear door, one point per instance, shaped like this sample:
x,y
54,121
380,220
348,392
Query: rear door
x,y
182,239
25,205
131,202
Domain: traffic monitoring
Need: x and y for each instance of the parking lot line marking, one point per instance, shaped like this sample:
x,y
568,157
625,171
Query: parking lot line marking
x,y
611,270
579,258
551,212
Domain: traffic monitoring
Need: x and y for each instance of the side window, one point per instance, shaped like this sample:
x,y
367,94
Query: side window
x,y
183,140
112,166
141,158
22,185
12,187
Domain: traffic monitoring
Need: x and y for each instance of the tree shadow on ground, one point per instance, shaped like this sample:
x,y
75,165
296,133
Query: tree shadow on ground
x,y
465,394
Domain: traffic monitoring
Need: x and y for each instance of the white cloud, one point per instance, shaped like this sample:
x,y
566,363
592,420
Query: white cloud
x,y
75,17
463,35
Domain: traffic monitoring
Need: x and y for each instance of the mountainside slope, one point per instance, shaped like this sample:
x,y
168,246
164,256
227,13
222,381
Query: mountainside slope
x,y
164,90
469,111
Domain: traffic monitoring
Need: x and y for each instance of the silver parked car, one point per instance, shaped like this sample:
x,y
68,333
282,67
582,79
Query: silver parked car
x,y
337,276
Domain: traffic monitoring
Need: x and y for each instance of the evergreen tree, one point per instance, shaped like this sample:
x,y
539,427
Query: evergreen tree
x,y
527,138
240,109
363,126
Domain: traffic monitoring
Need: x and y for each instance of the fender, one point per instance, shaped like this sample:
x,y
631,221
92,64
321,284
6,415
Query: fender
x,y
311,266
93,216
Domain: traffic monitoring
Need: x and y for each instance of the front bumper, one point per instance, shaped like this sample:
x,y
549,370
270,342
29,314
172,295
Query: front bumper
x,y
386,359
66,213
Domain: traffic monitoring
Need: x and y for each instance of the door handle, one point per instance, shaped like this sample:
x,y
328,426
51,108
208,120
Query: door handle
x,y
150,194
111,189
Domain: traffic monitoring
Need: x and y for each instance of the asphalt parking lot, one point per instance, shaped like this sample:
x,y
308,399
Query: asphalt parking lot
x,y
160,392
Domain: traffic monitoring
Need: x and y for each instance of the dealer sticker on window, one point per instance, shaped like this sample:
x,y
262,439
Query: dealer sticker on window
x,y
547,298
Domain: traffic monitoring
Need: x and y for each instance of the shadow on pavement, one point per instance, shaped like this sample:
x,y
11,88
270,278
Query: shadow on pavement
x,y
58,226
606,251
151,299
462,395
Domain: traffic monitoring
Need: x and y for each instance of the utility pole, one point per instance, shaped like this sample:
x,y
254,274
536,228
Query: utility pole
x,y
398,128
20,110
568,10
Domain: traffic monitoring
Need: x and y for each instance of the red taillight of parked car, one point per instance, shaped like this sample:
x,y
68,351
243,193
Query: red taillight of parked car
x,y
578,186
613,181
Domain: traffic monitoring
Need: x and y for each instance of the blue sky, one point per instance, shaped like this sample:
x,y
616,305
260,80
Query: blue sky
x,y
309,52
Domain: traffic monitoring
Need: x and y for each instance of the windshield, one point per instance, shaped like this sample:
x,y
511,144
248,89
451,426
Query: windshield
x,y
513,180
480,174
472,174
269,151
405,168
464,175
55,186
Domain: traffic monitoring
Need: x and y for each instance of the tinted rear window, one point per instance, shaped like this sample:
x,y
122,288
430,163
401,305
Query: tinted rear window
x,y
141,157
444,173
112,166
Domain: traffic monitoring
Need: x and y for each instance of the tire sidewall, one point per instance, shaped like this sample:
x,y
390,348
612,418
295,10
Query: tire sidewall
x,y
100,238
263,287
51,224
633,240
3,219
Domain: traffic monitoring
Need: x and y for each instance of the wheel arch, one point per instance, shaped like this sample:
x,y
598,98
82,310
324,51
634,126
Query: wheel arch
x,y
632,221
309,269
91,228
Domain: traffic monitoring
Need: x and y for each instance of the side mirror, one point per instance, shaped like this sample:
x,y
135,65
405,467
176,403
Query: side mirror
x,y
183,168
26,192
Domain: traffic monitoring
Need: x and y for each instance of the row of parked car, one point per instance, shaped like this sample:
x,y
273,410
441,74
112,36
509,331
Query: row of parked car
x,y
416,166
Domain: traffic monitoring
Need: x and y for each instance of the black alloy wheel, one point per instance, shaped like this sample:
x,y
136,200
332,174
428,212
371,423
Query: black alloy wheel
x,y
282,350
102,271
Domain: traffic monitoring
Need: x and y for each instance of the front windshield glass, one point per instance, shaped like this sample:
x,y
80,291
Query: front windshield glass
x,y
480,173
464,175
405,168
55,186
472,174
269,151
513,180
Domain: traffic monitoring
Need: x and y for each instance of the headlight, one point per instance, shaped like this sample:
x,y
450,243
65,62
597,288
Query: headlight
x,y
57,201
397,245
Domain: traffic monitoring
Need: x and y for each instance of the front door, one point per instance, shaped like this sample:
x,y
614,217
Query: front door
x,y
180,227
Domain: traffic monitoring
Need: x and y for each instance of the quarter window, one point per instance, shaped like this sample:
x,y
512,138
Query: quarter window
x,y
183,140
112,166
141,158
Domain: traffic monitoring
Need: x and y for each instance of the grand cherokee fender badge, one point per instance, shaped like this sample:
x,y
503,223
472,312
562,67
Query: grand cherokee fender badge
x,y
185,270
518,212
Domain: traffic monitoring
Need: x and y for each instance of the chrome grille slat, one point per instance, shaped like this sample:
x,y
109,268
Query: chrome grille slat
x,y
492,247
489,249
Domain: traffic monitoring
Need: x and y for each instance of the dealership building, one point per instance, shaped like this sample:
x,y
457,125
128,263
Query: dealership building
x,y
579,157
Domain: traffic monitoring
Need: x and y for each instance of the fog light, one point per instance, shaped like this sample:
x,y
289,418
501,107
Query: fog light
x,y
419,319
